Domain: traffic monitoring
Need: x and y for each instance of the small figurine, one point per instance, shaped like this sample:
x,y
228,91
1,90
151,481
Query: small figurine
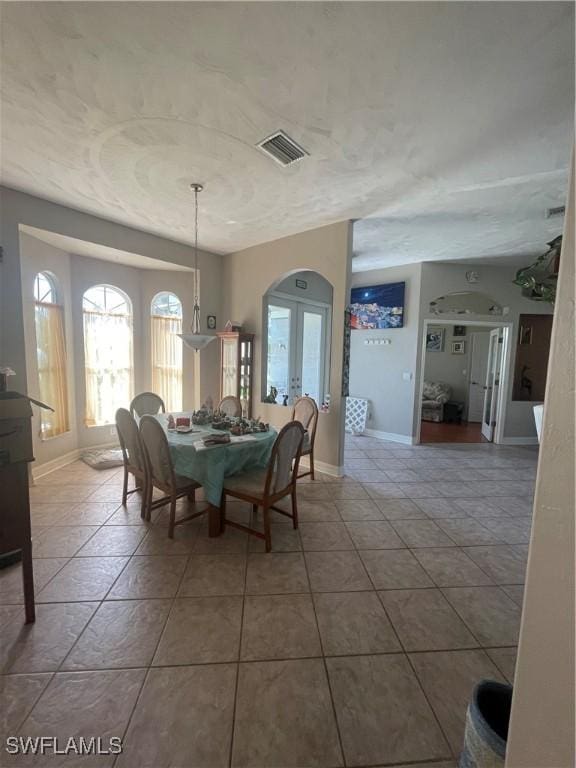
x,y
171,422
285,400
271,396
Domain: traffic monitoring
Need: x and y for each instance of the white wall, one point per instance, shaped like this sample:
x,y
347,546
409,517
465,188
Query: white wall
x,y
496,282
376,371
449,368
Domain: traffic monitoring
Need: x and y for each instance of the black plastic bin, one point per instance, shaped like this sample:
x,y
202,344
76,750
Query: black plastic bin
x,y
487,722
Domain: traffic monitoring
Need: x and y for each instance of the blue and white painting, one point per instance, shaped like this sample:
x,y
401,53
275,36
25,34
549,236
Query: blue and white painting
x,y
377,306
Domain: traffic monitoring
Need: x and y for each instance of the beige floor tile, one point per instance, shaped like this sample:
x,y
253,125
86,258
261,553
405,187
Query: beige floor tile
x,y
511,531
62,541
149,576
400,509
440,508
353,623
502,563
88,513
318,512
201,630
156,541
382,713
183,718
83,578
41,647
490,614
448,678
55,493
336,572
426,490
351,510
347,491
478,507
279,627
9,613
284,539
322,537
313,492
130,515
384,491
214,575
425,621
120,634
114,540
467,532
451,567
505,660
18,694
232,541
516,592
422,533
442,764
109,493
374,535
284,716
276,574
395,569
82,704
11,590
49,513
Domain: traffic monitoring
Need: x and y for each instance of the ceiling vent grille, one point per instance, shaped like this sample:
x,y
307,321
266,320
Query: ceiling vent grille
x,y
558,211
282,148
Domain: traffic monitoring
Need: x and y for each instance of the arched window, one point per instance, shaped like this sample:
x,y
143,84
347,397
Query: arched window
x,y
51,356
107,353
166,323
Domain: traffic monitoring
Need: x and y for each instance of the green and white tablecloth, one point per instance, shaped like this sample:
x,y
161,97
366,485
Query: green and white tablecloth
x,y
210,466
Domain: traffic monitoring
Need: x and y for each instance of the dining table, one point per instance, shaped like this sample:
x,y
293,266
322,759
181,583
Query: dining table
x,y
210,465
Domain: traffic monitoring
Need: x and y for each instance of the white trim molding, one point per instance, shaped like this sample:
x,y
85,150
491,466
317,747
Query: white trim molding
x,y
321,466
532,440
390,436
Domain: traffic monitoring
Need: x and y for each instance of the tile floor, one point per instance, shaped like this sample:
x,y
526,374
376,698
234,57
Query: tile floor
x,y
356,642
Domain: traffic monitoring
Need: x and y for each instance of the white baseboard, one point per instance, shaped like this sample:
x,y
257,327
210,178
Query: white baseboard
x,y
519,441
321,466
391,436
40,470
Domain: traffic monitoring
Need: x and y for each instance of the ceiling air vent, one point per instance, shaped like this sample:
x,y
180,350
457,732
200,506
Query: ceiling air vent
x,y
558,211
282,148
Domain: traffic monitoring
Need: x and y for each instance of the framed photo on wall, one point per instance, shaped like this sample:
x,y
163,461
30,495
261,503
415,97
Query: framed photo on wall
x,y
459,330
458,347
377,306
435,340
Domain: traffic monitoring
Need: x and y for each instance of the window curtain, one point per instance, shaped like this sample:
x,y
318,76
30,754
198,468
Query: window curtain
x,y
108,365
167,360
51,356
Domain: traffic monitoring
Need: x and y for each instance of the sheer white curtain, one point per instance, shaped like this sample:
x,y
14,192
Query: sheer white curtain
x,y
167,360
51,356
108,364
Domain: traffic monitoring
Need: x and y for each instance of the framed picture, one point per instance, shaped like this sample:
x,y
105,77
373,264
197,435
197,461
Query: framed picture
x,y
525,334
211,322
459,330
377,306
435,340
458,347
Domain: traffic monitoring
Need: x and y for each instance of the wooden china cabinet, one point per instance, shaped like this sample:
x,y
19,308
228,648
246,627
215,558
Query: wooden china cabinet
x,y
237,367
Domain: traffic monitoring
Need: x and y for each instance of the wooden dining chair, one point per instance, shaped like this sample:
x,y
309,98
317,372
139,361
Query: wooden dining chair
x,y
161,474
147,403
230,406
133,456
305,411
265,487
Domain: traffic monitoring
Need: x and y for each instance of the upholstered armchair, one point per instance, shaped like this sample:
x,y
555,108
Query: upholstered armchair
x,y
434,395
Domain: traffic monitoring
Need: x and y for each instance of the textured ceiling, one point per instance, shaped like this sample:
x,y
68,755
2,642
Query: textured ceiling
x,y
446,127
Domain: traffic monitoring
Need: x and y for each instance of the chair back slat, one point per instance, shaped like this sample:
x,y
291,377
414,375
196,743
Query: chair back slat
x,y
285,457
129,438
230,406
306,412
147,403
157,452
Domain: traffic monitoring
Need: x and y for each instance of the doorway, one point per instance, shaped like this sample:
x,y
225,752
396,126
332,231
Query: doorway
x,y
463,384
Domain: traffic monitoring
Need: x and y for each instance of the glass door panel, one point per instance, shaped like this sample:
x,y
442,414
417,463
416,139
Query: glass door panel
x,y
312,354
279,334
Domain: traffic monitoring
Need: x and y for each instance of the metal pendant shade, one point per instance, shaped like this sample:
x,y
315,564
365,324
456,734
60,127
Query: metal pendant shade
x,y
194,339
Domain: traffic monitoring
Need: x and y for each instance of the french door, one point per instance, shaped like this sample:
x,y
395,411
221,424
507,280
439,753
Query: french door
x,y
492,386
296,349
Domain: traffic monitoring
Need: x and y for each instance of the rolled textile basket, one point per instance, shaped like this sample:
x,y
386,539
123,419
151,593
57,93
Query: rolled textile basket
x,y
487,720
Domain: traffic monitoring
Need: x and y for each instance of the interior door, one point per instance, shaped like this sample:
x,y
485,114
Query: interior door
x,y
490,411
477,380
311,350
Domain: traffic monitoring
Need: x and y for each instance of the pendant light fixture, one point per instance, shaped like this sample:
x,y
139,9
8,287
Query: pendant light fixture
x,y
195,339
